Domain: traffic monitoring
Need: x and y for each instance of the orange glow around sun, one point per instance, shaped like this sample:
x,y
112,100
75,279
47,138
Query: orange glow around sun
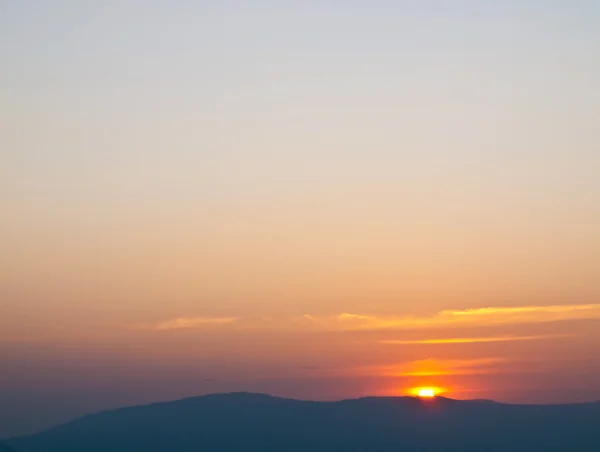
x,y
426,392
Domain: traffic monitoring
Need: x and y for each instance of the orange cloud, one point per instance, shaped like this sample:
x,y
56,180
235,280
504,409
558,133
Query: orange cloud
x,y
490,316
467,317
472,340
193,322
435,367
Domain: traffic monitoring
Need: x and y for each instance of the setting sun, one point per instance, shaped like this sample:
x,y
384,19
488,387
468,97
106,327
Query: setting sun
x,y
426,392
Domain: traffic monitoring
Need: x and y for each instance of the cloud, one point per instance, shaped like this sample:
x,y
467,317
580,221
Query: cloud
x,y
466,317
557,310
490,316
472,340
436,367
347,316
310,367
193,322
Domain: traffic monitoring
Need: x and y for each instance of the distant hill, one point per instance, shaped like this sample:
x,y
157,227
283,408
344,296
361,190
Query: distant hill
x,y
5,448
255,422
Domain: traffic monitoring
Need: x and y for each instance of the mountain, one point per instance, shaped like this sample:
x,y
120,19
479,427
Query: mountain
x,y
5,448
256,422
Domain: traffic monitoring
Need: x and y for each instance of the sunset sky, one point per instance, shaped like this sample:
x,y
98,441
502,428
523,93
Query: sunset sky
x,y
314,199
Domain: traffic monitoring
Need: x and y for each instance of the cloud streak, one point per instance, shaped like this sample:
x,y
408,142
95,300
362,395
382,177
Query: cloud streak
x,y
490,316
472,340
193,322
467,317
439,367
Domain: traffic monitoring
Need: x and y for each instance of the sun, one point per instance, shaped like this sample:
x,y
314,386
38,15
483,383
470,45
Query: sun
x,y
426,392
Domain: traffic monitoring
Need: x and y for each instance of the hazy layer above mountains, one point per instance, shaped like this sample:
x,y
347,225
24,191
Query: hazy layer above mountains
x,y
246,421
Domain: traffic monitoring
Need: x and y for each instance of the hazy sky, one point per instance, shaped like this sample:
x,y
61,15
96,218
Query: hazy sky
x,y
312,199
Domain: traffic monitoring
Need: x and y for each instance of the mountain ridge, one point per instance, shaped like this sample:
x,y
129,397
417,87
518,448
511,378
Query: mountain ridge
x,y
5,448
254,421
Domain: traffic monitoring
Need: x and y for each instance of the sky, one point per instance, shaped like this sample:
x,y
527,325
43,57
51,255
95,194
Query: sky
x,y
316,199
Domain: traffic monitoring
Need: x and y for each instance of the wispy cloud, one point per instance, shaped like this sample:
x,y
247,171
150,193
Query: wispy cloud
x,y
528,310
472,340
490,316
466,317
435,367
193,322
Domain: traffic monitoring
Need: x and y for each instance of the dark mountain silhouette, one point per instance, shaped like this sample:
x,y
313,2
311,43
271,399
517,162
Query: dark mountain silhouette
x,y
5,448
256,422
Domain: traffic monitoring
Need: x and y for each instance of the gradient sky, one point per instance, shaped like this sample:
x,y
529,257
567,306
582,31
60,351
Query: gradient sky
x,y
317,199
